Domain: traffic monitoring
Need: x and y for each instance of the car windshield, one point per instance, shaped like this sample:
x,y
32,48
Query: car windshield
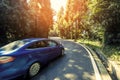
x,y
13,46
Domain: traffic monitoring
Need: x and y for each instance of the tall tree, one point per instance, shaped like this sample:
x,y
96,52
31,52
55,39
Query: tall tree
x,y
24,19
106,13
60,22
42,15
75,10
12,18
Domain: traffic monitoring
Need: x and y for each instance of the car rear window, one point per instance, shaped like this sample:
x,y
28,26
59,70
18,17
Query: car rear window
x,y
13,46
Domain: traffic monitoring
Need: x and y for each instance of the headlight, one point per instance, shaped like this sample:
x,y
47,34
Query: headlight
x,y
6,59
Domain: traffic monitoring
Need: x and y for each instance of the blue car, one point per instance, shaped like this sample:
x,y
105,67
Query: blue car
x,y
26,57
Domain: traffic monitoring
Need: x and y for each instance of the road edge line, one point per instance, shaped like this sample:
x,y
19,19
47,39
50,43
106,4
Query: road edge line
x,y
97,73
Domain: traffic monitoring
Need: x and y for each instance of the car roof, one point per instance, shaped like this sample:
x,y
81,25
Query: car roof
x,y
34,39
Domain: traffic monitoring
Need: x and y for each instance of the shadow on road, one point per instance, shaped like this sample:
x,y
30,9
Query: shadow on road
x,y
75,65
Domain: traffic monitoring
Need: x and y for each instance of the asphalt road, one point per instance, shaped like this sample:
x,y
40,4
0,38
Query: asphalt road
x,y
75,65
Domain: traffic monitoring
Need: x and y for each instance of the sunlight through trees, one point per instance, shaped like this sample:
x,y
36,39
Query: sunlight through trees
x,y
23,19
90,19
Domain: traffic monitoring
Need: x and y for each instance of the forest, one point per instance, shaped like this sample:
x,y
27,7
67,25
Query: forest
x,y
90,19
21,19
86,19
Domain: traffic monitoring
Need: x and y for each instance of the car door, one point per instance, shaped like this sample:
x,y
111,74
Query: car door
x,y
54,49
39,51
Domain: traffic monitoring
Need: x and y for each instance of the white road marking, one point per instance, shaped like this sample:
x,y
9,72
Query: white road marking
x,y
97,73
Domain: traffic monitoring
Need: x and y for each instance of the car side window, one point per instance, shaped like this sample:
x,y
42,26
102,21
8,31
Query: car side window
x,y
52,44
39,44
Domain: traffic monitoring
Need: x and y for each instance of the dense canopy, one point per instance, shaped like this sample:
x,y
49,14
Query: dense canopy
x,y
22,19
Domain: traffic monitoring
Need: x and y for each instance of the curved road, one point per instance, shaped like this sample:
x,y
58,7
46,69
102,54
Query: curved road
x,y
75,65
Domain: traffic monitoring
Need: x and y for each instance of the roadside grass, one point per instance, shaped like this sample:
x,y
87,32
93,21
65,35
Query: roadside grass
x,y
111,52
90,43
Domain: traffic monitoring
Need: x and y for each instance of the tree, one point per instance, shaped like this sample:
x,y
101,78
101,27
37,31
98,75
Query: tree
x,y
11,20
19,20
106,13
61,22
75,10
42,15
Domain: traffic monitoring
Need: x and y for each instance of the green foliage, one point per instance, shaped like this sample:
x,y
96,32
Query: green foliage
x,y
106,13
92,19
112,52
69,23
91,43
11,20
19,20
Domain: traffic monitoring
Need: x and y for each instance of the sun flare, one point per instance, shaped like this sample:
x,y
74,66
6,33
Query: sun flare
x,y
57,4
